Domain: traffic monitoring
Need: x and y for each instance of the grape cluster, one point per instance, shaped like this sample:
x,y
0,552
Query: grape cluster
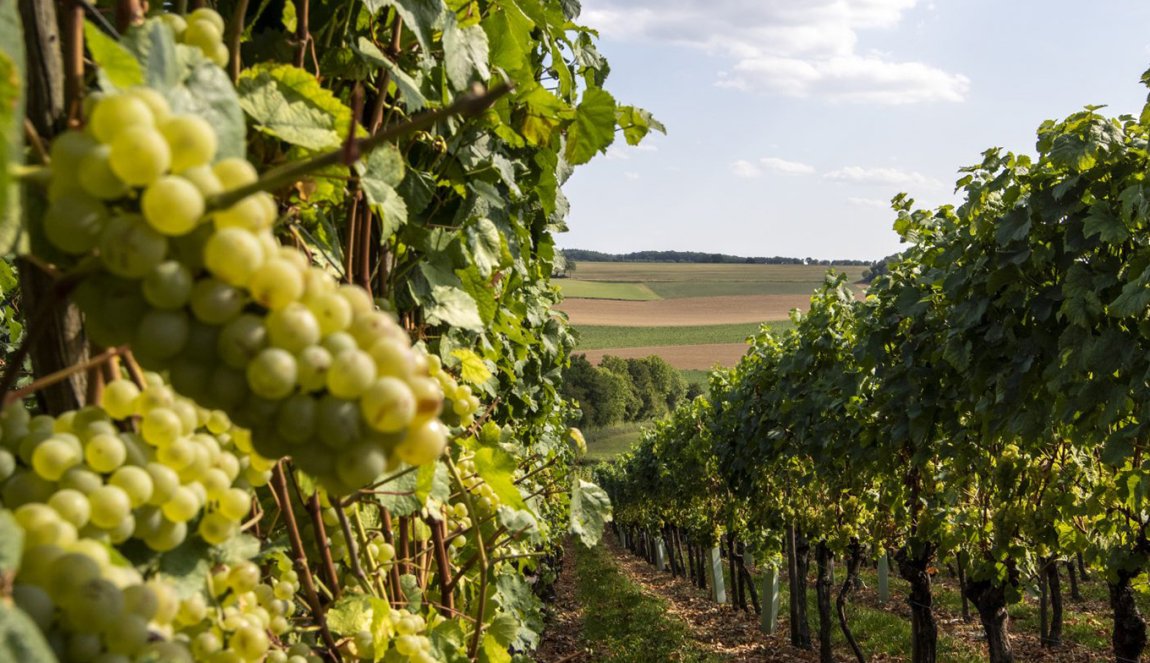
x,y
90,608
109,484
202,29
240,322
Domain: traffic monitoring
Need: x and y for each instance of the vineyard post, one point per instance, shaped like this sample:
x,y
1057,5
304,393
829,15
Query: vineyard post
x,y
772,599
884,578
715,569
660,555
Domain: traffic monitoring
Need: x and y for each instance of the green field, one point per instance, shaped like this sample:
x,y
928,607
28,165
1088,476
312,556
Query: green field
x,y
606,443
679,280
577,288
597,337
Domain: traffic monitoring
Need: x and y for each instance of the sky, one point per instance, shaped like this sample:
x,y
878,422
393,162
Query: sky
x,y
792,123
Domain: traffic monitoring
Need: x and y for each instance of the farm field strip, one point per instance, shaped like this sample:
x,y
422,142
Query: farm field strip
x,y
581,289
694,311
596,337
647,272
690,357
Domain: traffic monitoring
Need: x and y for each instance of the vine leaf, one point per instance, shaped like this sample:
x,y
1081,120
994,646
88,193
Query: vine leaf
x,y
379,175
496,467
452,306
493,651
590,511
509,33
408,87
11,122
472,368
465,53
289,103
11,544
117,65
20,638
637,123
350,614
594,127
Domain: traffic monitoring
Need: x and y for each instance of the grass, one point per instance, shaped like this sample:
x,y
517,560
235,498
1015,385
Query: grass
x,y
575,288
679,280
621,623
606,443
696,377
595,337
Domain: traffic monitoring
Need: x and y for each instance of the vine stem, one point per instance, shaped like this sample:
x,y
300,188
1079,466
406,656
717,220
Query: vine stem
x,y
302,35
316,511
235,36
352,547
74,63
279,479
446,597
63,374
481,548
466,105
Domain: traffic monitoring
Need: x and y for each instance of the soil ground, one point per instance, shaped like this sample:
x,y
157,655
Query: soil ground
x,y
681,312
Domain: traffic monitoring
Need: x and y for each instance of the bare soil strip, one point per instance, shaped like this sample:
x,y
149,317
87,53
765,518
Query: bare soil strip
x,y
563,635
729,634
684,357
682,312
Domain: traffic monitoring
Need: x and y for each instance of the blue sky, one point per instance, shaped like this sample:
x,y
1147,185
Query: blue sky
x,y
791,123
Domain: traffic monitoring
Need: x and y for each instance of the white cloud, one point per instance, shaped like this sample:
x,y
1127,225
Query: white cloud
x,y
805,48
631,175
622,151
869,202
777,165
745,169
881,177
752,169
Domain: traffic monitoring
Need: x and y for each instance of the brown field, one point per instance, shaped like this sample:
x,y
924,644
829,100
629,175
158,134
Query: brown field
x,y
683,357
683,312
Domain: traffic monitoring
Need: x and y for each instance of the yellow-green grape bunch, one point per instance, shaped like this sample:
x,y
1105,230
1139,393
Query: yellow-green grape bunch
x,y
88,607
202,29
406,641
186,470
239,322
487,500
462,405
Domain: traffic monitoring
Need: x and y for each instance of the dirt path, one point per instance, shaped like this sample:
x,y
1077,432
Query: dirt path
x,y
720,310
730,635
563,634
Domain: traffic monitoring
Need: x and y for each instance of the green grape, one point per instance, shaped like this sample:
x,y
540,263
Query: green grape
x,y
71,571
135,482
218,55
109,506
168,286
7,464
210,15
205,644
337,421
272,374
161,426
141,600
168,536
392,358
36,603
188,249
72,505
96,176
172,205
388,405
423,444
139,155
235,172
292,328
275,284
192,140
104,453
162,334
130,248
178,454
241,340
359,465
244,577
428,399
127,634
232,254
256,213
204,179
53,457
73,222
165,481
357,298
176,23
81,479
115,113
296,418
234,504
338,342
202,34
215,481
368,328
352,372
215,529
313,362
215,302
228,387
155,101
331,311
183,506
66,152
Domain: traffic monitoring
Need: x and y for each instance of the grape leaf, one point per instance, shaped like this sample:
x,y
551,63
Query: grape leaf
x,y
289,103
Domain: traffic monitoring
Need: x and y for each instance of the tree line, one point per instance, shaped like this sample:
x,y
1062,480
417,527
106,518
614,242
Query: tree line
x,y
622,390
